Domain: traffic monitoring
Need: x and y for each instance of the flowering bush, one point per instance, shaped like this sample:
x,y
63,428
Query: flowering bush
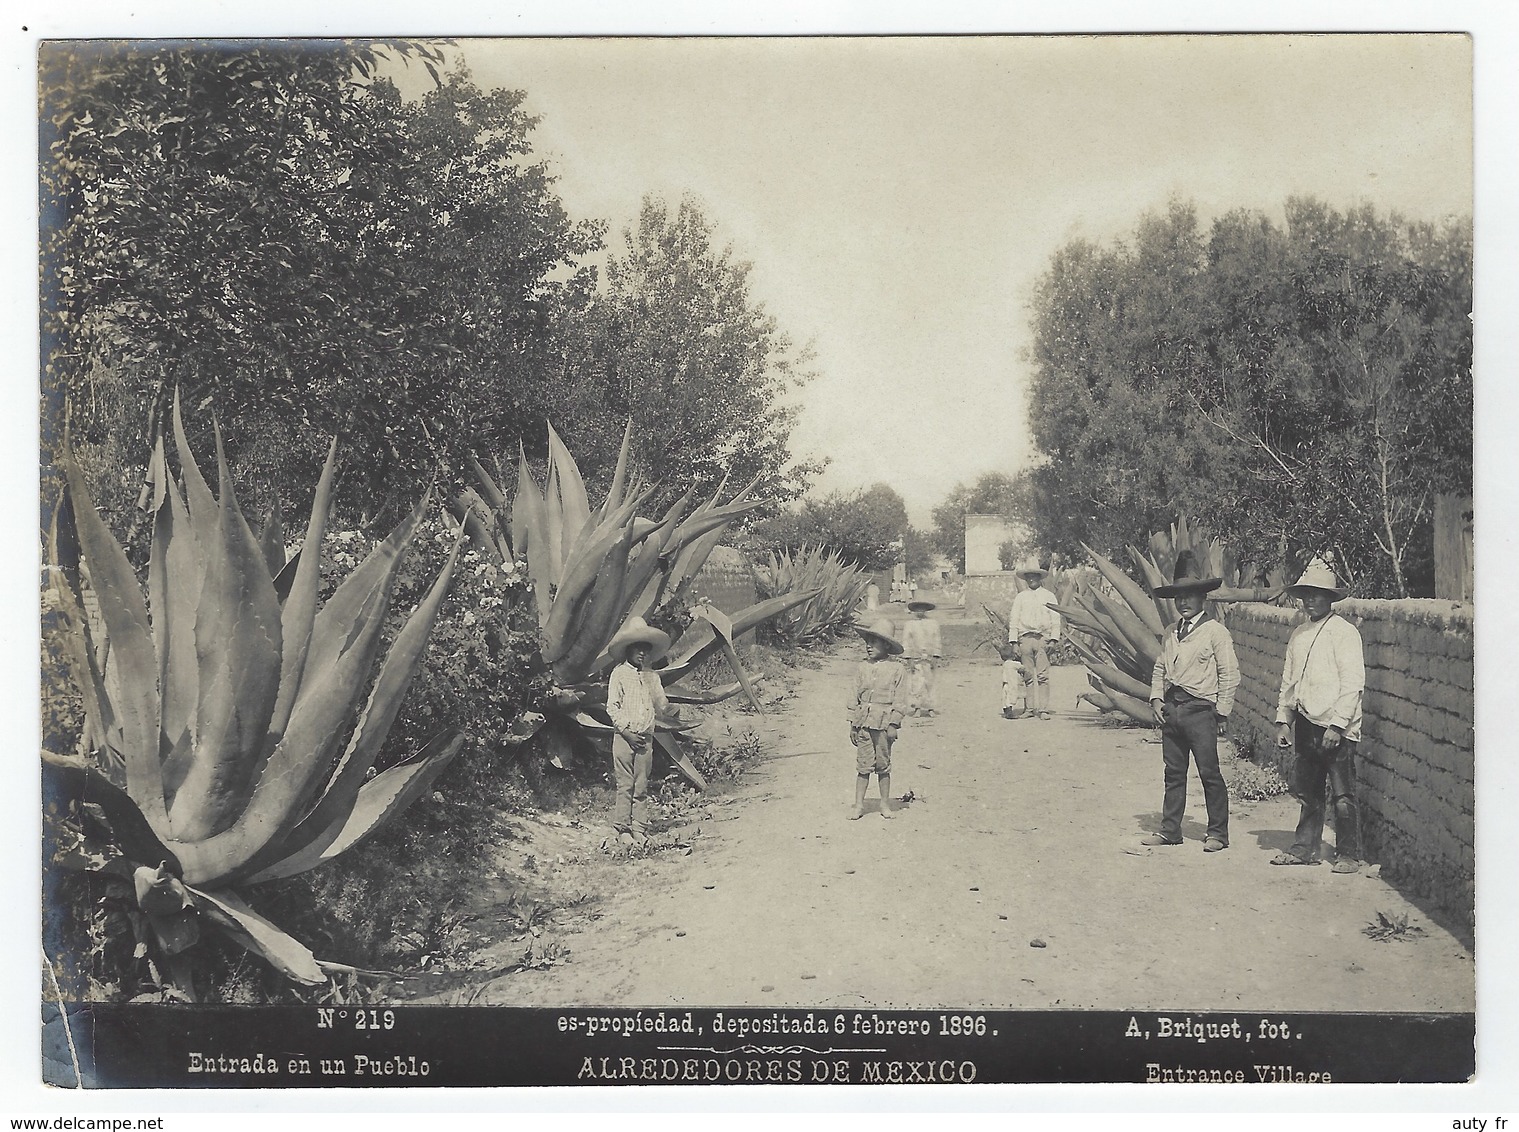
x,y
481,669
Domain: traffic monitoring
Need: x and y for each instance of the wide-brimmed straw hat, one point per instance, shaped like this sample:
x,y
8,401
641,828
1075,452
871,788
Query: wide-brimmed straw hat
x,y
914,606
1188,578
1030,568
638,631
882,630
1318,576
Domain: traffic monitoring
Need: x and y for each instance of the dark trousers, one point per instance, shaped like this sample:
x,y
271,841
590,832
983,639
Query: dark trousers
x,y
1314,768
1191,733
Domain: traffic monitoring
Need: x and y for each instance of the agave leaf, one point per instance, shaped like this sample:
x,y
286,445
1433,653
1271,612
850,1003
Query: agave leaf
x,y
374,723
334,625
271,540
620,473
72,629
719,622
575,588
175,577
1140,637
298,610
238,646
671,746
374,803
575,509
701,640
710,696
1122,681
131,671
600,616
299,764
1099,700
257,935
488,487
67,777
1141,603
529,532
204,512
285,579
1136,709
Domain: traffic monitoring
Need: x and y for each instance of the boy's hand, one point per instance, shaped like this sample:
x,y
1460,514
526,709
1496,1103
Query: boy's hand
x,y
1158,707
854,734
1223,724
1284,734
1331,739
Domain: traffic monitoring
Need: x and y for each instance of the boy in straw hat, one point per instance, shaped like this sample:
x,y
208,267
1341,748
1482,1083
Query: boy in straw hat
x,y
635,697
875,713
1192,692
1318,715
923,649
1031,626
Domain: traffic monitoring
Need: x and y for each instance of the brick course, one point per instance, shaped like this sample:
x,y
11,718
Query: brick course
x,y
1416,758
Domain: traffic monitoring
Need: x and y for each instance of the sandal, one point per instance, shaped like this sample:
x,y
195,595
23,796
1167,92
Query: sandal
x,y
1285,858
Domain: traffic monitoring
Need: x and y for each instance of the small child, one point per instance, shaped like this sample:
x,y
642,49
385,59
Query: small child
x,y
635,698
1014,702
875,713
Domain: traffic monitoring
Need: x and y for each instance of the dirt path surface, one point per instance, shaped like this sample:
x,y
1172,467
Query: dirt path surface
x,y
1019,831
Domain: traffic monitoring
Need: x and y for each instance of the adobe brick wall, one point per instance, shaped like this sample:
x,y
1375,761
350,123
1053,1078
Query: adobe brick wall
x,y
1416,756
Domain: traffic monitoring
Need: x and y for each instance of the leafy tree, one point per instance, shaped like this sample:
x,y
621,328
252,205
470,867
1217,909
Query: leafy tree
x,y
993,493
1300,389
677,342
290,244
864,528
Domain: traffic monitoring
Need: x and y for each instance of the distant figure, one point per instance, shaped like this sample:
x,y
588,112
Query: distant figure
x,y
635,697
1032,626
1318,715
875,713
872,597
924,651
1191,693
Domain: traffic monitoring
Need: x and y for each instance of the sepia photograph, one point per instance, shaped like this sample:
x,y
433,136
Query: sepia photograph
x,y
733,560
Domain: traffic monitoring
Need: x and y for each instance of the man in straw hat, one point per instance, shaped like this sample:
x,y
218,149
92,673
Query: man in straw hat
x,y
635,697
1318,716
1191,693
923,650
1033,625
875,713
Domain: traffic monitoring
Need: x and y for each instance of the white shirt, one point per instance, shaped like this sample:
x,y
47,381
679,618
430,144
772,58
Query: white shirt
x,y
1032,614
1324,676
921,638
632,697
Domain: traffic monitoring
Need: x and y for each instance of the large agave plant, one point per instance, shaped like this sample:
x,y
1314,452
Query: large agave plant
x,y
237,722
839,588
592,570
1120,631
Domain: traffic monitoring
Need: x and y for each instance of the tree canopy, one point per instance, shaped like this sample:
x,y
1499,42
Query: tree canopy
x,y
1301,388
866,528
279,236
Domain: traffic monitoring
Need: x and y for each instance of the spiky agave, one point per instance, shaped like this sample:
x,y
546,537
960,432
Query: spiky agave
x,y
592,570
839,589
1123,628
237,721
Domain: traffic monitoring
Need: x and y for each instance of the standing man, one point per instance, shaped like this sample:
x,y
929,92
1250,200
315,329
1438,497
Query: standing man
x,y
1191,693
1032,625
1318,715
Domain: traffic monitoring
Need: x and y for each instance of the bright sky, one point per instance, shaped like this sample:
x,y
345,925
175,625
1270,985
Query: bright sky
x,y
899,197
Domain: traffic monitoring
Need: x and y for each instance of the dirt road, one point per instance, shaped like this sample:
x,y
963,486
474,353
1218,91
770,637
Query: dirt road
x,y
1019,831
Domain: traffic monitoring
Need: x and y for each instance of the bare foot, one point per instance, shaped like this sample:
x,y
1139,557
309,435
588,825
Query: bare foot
x,y
859,812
